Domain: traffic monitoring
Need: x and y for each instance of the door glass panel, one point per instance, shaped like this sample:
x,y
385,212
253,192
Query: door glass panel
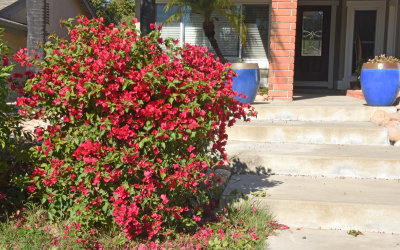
x,y
312,33
364,37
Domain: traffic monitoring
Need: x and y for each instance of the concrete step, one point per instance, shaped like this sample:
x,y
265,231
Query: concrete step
x,y
312,239
359,161
357,133
324,203
320,112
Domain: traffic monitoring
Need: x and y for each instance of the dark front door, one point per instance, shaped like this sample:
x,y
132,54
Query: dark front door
x,y
312,43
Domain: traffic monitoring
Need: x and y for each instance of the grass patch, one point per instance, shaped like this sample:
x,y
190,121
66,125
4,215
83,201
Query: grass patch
x,y
25,229
242,225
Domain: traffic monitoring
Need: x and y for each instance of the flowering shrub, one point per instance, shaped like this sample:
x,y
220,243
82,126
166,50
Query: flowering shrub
x,y
133,128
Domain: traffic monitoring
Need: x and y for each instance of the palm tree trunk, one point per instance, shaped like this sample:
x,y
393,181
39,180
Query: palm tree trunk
x,y
209,30
36,27
147,15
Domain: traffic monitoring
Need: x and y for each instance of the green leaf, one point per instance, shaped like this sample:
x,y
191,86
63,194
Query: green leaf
x,y
105,207
163,175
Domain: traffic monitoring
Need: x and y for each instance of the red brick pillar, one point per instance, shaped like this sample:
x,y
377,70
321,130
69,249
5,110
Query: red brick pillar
x,y
282,46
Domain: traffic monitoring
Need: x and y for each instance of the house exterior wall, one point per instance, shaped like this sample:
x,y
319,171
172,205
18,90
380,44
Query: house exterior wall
x,y
61,10
256,49
283,32
14,41
388,45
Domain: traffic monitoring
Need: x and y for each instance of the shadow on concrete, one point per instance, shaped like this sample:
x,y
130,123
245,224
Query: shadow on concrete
x,y
247,184
260,103
302,93
239,167
247,187
250,184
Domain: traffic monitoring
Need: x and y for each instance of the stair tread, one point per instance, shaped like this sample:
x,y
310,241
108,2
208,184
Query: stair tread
x,y
327,203
316,124
319,189
322,111
319,100
339,104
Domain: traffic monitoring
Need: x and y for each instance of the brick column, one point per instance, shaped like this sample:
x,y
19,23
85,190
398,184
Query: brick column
x,y
282,49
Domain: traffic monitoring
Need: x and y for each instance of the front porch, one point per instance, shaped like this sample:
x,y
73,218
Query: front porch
x,y
299,43
321,43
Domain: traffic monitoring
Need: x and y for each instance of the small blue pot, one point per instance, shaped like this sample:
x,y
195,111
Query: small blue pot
x,y
247,81
380,83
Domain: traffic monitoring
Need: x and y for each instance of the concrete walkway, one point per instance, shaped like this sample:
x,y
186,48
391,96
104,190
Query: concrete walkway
x,y
322,166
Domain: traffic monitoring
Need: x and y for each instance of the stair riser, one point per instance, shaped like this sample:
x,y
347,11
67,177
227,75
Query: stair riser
x,y
313,135
329,215
315,239
318,113
319,166
344,216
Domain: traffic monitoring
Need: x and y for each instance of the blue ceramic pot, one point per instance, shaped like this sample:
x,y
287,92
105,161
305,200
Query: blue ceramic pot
x,y
247,81
380,83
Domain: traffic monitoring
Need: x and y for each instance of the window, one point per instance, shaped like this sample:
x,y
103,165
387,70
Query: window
x,y
190,30
364,36
257,23
226,36
172,30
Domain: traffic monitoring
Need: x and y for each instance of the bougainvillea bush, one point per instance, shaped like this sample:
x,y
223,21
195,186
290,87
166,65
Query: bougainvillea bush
x,y
135,122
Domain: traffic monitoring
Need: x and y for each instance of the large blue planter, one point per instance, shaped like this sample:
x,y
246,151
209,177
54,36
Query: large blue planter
x,y
380,83
247,81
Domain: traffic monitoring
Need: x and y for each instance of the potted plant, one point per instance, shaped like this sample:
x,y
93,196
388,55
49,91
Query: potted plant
x,y
248,79
380,80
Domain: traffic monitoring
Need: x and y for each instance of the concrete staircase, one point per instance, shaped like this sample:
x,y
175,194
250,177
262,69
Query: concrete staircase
x,y
320,164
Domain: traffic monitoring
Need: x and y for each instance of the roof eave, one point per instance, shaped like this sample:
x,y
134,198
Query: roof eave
x,y
14,25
